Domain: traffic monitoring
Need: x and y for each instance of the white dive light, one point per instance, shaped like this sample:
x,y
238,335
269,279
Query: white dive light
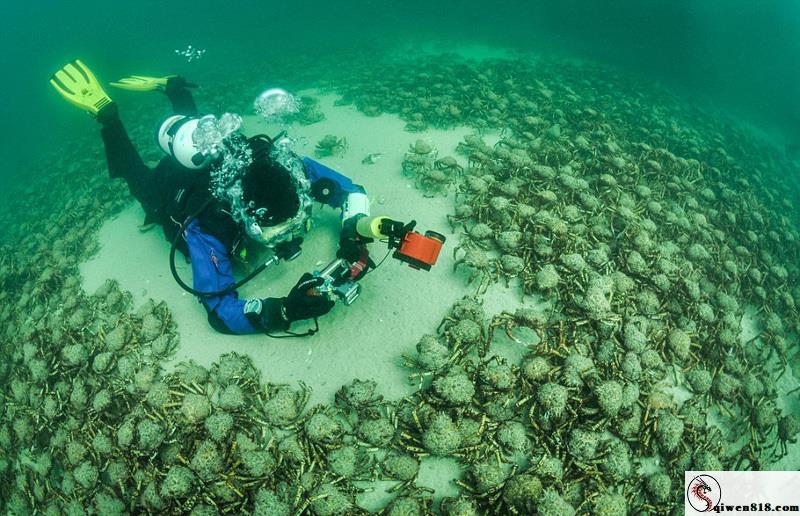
x,y
357,203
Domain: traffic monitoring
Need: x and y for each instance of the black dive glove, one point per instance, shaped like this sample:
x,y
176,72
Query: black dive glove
x,y
303,302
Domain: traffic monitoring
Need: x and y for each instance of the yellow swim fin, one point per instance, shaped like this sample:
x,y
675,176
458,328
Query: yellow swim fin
x,y
142,83
76,83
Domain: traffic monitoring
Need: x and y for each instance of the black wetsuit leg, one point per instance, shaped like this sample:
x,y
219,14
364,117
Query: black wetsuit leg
x,y
181,99
147,186
124,161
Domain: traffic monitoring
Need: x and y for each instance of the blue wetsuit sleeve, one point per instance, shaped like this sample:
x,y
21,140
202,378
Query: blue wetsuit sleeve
x,y
327,185
212,271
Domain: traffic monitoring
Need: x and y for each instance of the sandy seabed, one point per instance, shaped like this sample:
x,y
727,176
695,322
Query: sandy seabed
x,y
397,304
365,340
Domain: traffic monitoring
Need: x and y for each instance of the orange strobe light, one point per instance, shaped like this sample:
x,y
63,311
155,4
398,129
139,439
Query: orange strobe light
x,y
420,251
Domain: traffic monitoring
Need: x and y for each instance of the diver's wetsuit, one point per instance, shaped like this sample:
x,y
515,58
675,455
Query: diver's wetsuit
x,y
170,193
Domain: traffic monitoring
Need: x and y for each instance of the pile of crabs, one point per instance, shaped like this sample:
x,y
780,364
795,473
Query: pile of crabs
x,y
657,243
661,239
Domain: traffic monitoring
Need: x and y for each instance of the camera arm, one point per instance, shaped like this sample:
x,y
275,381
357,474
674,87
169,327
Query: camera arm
x,y
418,251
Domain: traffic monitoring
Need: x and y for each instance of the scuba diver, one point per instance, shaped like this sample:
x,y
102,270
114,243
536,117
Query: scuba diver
x,y
208,198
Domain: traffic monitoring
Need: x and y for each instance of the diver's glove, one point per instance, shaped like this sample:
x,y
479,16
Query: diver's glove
x,y
304,301
266,314
277,314
353,248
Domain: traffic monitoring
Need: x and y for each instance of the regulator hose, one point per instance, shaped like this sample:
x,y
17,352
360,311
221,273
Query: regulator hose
x,y
189,289
174,248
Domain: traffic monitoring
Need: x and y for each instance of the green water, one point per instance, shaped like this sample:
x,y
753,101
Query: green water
x,y
739,54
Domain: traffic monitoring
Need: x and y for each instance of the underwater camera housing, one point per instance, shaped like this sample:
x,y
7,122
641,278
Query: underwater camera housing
x,y
337,283
419,251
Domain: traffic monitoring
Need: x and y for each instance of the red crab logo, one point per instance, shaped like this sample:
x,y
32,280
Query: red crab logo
x,y
703,493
